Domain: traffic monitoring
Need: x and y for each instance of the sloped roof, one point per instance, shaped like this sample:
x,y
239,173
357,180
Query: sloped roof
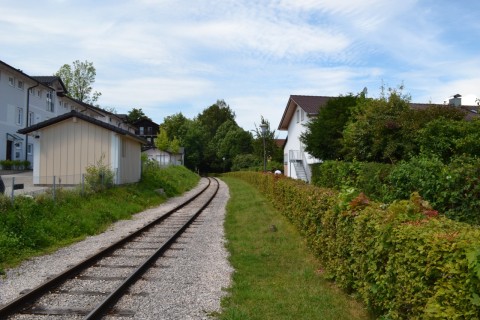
x,y
310,104
50,81
79,115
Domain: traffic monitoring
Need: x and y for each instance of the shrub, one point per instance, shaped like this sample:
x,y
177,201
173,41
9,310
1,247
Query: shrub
x,y
404,260
6,164
99,176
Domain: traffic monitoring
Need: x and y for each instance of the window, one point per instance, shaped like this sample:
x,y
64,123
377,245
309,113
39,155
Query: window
x,y
30,148
298,115
18,146
11,81
39,93
19,116
302,115
20,84
149,130
50,106
31,118
141,130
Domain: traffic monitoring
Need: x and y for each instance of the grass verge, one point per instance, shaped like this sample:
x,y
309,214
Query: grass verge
x,y
34,226
276,276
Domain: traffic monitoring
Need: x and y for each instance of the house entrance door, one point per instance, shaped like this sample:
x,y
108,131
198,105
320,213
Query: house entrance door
x,y
9,150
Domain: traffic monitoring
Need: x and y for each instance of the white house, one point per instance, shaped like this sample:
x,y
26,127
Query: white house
x,y
297,113
300,109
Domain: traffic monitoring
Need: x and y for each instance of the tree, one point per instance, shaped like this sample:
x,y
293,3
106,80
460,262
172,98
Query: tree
x,y
230,141
374,132
135,115
78,79
161,142
176,126
324,134
214,116
272,151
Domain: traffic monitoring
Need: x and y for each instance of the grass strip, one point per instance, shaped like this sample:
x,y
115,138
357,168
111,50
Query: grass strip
x,y
276,276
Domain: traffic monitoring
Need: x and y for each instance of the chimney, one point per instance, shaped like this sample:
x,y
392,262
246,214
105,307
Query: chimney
x,y
456,101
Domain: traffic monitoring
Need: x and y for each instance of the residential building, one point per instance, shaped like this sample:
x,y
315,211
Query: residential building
x,y
28,100
300,109
148,130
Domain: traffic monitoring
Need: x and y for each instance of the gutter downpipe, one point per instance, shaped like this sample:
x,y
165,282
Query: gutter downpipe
x,y
27,116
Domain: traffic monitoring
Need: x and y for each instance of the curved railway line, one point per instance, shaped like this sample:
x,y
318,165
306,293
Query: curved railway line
x,y
90,289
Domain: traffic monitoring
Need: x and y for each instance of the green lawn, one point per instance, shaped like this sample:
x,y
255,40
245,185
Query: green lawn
x,y
276,277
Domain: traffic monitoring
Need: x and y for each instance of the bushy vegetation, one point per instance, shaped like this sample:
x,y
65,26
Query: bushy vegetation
x,y
403,260
33,225
15,164
452,188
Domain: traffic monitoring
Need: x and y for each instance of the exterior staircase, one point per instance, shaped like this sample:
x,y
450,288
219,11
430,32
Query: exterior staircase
x,y
300,170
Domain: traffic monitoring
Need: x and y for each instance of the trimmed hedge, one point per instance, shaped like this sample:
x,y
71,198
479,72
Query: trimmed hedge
x,y
403,260
453,188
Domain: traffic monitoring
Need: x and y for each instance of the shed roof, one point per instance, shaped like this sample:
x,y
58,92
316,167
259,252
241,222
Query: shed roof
x,y
79,115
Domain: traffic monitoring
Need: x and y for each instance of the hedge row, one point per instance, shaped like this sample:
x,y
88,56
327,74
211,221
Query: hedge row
x,y
402,260
453,188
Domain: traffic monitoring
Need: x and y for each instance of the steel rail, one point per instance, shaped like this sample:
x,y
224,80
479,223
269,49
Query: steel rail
x,y
109,301
32,295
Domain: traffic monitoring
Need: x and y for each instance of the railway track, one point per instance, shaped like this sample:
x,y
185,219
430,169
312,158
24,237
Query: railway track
x,y
90,289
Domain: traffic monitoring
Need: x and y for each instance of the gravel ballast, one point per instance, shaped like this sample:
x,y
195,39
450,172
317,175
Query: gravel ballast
x,y
188,285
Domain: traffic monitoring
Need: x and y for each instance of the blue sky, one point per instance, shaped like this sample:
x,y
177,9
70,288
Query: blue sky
x,y
169,56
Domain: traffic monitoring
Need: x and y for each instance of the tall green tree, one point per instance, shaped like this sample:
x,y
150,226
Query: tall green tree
x,y
230,141
324,133
78,78
214,116
136,114
176,125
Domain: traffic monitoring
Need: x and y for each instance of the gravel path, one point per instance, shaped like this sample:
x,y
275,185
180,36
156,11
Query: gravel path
x,y
188,286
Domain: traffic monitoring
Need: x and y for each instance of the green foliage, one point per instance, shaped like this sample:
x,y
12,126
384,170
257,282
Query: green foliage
x,y
173,180
452,188
404,261
15,164
323,135
272,151
368,177
162,142
135,115
99,176
78,78
245,161
387,129
447,138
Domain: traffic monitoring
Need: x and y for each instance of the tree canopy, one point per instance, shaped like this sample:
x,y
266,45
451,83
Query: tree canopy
x,y
135,115
78,79
324,134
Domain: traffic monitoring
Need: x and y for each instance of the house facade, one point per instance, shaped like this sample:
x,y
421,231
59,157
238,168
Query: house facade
x,y
148,130
67,144
298,111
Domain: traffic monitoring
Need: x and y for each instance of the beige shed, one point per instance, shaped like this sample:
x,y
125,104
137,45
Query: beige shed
x,y
64,146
